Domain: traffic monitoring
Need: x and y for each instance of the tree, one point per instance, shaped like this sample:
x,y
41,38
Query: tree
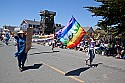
x,y
112,13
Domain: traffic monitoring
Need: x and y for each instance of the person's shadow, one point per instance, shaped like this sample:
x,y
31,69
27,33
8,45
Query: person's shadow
x,y
77,71
35,66
80,70
44,52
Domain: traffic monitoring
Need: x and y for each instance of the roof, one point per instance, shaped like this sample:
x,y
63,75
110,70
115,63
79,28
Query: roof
x,y
88,29
100,31
94,29
11,28
31,22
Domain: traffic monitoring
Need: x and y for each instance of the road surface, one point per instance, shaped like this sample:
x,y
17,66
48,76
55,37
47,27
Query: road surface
x,y
60,66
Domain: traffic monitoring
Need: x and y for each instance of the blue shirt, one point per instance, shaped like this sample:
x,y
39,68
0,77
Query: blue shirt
x,y
21,45
7,36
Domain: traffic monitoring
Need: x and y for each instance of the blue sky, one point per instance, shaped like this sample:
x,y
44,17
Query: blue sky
x,y
13,12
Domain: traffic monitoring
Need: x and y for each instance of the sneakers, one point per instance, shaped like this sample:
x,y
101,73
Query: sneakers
x,y
20,69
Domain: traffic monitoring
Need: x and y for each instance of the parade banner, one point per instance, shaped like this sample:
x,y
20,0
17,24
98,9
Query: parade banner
x,y
29,39
72,34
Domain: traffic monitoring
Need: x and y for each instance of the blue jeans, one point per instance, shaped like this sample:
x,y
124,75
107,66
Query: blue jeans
x,y
6,41
22,59
92,55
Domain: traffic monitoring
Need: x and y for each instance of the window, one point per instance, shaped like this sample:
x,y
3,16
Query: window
x,y
30,25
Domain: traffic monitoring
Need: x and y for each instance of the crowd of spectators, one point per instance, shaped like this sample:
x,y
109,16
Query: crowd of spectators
x,y
112,48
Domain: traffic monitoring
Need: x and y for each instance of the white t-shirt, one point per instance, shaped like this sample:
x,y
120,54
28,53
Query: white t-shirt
x,y
92,44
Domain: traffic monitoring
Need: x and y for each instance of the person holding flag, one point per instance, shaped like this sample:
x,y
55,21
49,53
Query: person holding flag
x,y
91,52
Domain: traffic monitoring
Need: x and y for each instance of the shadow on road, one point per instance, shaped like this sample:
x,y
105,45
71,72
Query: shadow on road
x,y
80,70
95,65
77,71
10,45
35,66
43,52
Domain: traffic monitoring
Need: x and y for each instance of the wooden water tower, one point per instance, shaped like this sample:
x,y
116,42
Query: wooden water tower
x,y
47,21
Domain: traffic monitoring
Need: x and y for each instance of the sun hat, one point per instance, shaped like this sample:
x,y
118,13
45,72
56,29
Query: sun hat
x,y
21,31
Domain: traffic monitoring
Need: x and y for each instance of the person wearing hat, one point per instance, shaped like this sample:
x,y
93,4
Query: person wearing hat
x,y
21,45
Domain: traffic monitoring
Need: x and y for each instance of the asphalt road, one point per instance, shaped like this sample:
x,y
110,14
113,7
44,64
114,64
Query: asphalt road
x,y
60,66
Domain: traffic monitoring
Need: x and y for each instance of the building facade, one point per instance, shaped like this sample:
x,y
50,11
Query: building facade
x,y
31,23
10,28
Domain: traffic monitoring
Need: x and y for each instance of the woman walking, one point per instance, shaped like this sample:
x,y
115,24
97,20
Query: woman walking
x,y
21,45
91,52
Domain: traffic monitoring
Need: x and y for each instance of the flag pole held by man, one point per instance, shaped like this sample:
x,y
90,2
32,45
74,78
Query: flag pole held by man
x,y
72,34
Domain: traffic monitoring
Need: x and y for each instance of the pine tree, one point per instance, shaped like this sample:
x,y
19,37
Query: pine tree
x,y
112,13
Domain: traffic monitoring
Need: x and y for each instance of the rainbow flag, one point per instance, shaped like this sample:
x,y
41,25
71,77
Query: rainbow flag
x,y
72,34
61,32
